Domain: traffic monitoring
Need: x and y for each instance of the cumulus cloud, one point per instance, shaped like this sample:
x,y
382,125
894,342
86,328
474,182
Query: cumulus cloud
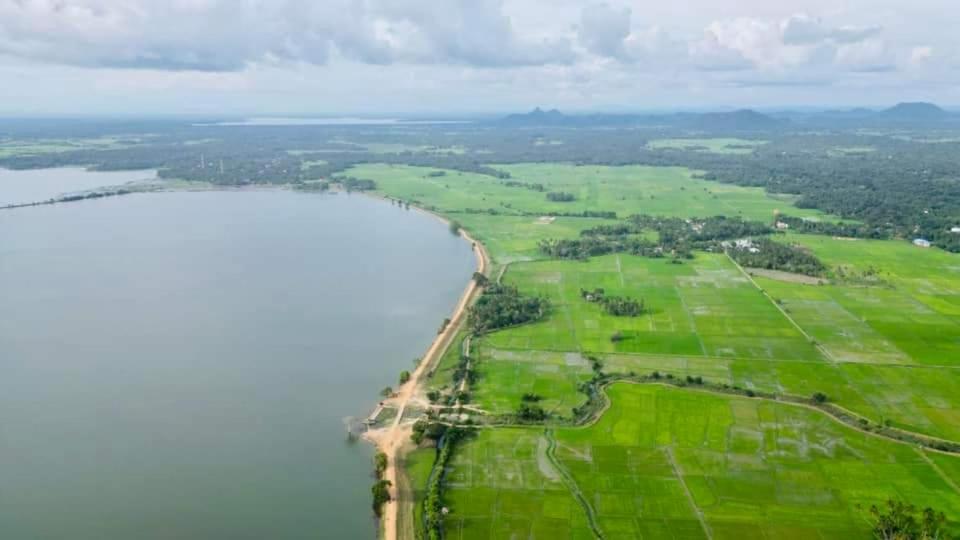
x,y
606,31
797,42
802,29
226,35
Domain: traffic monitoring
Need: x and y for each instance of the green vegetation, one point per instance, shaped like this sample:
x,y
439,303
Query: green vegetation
x,y
502,306
715,145
762,285
704,322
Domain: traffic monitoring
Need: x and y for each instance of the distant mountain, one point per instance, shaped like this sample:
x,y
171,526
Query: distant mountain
x,y
742,120
914,112
537,117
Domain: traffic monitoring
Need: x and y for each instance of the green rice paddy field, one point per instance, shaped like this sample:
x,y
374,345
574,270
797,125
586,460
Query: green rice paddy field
x,y
880,336
664,462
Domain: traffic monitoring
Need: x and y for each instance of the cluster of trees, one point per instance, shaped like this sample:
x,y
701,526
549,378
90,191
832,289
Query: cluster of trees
x,y
676,237
530,410
381,486
350,183
561,196
767,254
526,185
501,306
322,185
592,246
433,502
830,228
899,520
614,305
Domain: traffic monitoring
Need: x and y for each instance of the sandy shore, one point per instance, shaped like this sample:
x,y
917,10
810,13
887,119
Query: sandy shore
x,y
390,439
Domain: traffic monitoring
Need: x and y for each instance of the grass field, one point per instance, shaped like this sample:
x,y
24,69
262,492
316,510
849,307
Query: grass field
x,y
667,191
664,459
704,307
664,462
501,484
880,337
504,376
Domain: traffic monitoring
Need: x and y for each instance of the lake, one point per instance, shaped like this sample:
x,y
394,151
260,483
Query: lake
x,y
36,185
179,365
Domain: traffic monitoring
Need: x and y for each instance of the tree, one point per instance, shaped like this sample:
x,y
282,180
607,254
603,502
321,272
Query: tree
x,y
386,392
381,494
819,397
380,464
898,520
404,376
455,228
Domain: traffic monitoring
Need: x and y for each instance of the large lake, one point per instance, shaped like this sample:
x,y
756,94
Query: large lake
x,y
179,365
36,185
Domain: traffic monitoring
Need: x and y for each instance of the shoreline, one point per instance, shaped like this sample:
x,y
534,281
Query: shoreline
x,y
390,440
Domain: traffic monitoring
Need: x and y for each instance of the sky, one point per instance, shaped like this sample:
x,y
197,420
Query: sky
x,y
450,57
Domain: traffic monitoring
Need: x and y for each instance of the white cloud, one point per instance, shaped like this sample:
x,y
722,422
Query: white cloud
x,y
226,35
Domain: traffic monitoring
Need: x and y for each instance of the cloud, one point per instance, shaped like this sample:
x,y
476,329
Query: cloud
x,y
802,29
228,35
799,42
604,30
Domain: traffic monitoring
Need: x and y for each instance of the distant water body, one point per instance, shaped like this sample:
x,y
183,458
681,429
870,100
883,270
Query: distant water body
x,y
179,365
37,185
338,121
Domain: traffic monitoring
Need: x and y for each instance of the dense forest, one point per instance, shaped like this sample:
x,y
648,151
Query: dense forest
x,y
501,306
767,254
675,237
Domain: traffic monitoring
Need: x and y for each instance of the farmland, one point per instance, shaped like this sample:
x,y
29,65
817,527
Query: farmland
x,y
878,335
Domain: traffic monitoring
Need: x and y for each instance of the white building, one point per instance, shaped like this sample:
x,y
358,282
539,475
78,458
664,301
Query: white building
x,y
921,242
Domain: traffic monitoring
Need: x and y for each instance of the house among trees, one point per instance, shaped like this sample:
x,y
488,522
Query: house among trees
x,y
921,242
955,230
782,226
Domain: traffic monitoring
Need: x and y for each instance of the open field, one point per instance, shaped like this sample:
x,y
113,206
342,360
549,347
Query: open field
x,y
879,336
501,484
704,307
665,459
677,463
504,376
667,191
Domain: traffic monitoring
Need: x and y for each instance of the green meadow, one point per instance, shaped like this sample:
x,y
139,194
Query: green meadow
x,y
879,335
664,462
666,191
664,459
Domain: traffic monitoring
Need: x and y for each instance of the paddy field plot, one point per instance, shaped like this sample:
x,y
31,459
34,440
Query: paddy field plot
x,y
501,484
704,307
680,463
515,238
664,460
627,190
504,376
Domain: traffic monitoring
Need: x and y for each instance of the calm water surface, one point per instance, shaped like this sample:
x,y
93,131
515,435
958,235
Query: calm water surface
x,y
179,365
21,187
